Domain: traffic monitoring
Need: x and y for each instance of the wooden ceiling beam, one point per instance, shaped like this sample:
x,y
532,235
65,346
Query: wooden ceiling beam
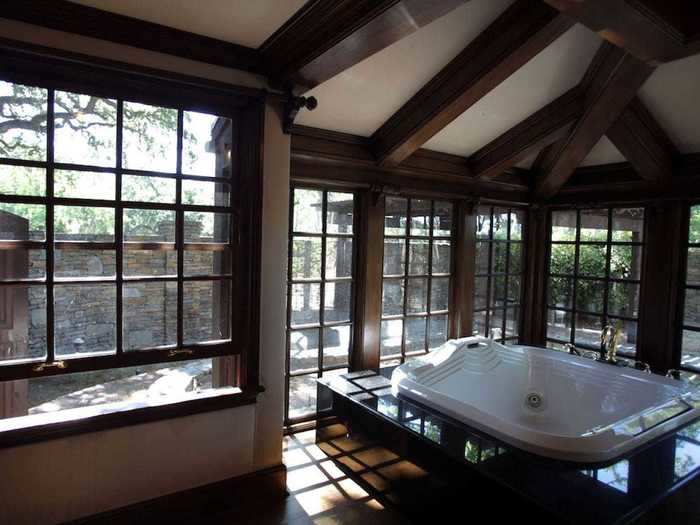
x,y
643,143
539,130
326,37
613,80
515,37
652,30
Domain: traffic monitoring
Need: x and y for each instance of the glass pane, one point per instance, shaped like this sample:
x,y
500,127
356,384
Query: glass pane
x,y
85,129
517,221
84,185
594,225
691,349
203,193
694,230
149,225
438,331
391,334
498,290
306,303
392,297
691,312
206,145
22,222
204,262
562,259
85,263
628,225
206,311
23,327
207,227
498,260
302,395
85,319
439,294
20,180
514,291
303,350
483,222
22,263
83,223
144,263
442,220
564,226
625,262
338,257
418,257
415,334
515,258
500,224
623,299
512,322
590,295
628,341
560,292
150,314
340,211
336,345
479,323
417,300
308,208
306,258
591,260
482,257
480,292
22,121
394,256
337,301
693,267
136,188
558,325
150,138
395,210
420,217
496,324
588,328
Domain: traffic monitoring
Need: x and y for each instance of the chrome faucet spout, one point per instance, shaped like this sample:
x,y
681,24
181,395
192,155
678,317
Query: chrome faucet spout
x,y
609,341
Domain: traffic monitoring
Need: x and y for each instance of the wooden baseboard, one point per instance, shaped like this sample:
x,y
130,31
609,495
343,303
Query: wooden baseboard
x,y
269,484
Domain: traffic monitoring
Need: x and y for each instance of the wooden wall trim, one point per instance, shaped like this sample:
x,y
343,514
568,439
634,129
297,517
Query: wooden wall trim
x,y
88,21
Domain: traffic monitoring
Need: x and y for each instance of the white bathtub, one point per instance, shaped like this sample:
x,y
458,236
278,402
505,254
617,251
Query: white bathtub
x,y
547,402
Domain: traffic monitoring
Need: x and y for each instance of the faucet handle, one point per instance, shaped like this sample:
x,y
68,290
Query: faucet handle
x,y
641,365
673,373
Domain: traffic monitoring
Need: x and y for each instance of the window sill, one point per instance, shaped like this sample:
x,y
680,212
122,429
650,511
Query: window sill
x,y
34,428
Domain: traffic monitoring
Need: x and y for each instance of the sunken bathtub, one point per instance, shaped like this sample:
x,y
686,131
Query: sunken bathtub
x,y
545,402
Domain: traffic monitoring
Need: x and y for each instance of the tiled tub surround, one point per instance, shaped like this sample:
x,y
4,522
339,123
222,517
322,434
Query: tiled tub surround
x,y
483,473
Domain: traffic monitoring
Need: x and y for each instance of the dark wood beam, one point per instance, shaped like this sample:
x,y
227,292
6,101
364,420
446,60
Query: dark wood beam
x,y
326,37
643,143
652,30
539,130
96,23
613,80
515,37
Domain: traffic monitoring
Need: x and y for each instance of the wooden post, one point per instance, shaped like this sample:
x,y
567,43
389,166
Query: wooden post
x,y
533,318
464,268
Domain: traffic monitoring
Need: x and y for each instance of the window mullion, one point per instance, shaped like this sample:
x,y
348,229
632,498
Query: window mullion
x,y
322,298
119,229
180,233
407,253
577,246
50,325
426,344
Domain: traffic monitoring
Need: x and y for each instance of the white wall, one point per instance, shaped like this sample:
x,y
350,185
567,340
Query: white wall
x,y
64,479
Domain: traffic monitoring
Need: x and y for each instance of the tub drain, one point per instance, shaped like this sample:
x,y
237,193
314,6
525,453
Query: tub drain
x,y
533,400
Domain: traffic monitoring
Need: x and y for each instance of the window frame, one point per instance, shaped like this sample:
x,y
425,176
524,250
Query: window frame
x,y
683,290
58,71
606,280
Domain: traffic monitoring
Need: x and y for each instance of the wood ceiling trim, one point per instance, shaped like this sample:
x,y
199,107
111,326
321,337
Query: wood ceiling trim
x,y
88,21
326,37
512,40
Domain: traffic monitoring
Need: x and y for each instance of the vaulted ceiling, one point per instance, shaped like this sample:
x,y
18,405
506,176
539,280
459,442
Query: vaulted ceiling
x,y
537,85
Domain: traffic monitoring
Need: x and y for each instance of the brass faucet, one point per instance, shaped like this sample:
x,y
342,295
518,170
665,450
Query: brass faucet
x,y
609,341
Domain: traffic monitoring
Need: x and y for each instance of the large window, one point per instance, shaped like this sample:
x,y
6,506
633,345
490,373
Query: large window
x,y
498,273
320,293
595,259
416,284
690,351
117,238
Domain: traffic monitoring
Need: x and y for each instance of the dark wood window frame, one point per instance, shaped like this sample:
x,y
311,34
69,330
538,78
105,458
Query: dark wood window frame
x,y
683,288
606,281
54,70
321,325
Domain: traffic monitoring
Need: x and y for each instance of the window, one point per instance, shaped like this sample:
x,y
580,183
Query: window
x,y
690,346
595,259
498,273
417,277
117,245
320,293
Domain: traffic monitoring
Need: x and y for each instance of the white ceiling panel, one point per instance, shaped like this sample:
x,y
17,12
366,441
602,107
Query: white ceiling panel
x,y
604,152
361,98
550,74
239,21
